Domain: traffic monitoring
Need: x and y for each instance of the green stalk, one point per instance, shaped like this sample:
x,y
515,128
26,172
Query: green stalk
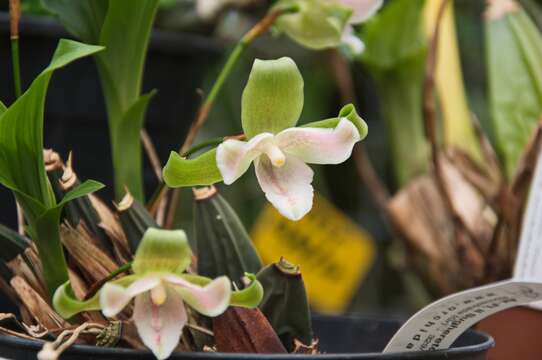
x,y
258,30
16,65
15,15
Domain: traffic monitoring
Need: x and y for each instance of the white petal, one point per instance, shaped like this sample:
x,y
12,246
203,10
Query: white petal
x,y
210,300
320,145
288,187
160,327
352,41
363,9
113,298
233,157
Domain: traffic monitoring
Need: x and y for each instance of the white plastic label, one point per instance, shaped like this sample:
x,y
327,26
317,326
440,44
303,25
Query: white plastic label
x,y
439,324
529,258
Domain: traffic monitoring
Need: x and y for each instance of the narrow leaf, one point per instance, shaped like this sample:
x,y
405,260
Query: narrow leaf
x,y
395,56
222,242
128,169
22,165
83,19
514,63
12,243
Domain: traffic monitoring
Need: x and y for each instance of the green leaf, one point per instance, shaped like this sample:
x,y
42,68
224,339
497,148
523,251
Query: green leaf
x,y
285,303
123,27
395,56
45,230
202,170
127,152
22,168
273,97
126,33
223,246
3,108
317,24
514,63
81,190
348,112
21,130
84,19
162,251
12,243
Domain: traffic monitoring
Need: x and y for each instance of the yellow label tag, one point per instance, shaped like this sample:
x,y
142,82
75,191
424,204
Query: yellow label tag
x,y
334,253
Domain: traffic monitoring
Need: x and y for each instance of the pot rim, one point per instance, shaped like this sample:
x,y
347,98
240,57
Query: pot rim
x,y
488,343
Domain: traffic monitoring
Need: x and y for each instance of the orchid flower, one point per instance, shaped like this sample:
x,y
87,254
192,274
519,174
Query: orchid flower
x,y
362,11
161,289
271,105
209,9
321,24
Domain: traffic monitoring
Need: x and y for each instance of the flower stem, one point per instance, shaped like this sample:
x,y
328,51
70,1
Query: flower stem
x,y
15,15
98,285
258,30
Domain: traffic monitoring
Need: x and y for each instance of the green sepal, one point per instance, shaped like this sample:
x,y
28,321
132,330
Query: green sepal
x,y
347,112
222,244
162,251
3,108
67,304
180,172
273,97
317,24
250,297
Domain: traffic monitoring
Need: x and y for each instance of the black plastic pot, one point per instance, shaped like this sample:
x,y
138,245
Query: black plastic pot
x,y
341,338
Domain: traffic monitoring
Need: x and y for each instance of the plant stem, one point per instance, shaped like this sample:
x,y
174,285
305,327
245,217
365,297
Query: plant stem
x,y
15,15
258,30
97,285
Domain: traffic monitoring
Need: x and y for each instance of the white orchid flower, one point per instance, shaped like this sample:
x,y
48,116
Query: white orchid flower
x,y
281,162
271,106
281,155
161,290
362,11
209,9
320,24
159,311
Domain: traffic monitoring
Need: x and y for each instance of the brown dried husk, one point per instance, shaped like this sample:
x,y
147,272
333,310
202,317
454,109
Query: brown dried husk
x,y
462,228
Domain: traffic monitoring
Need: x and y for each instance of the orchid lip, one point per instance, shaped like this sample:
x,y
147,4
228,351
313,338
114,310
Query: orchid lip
x,y
277,157
159,295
